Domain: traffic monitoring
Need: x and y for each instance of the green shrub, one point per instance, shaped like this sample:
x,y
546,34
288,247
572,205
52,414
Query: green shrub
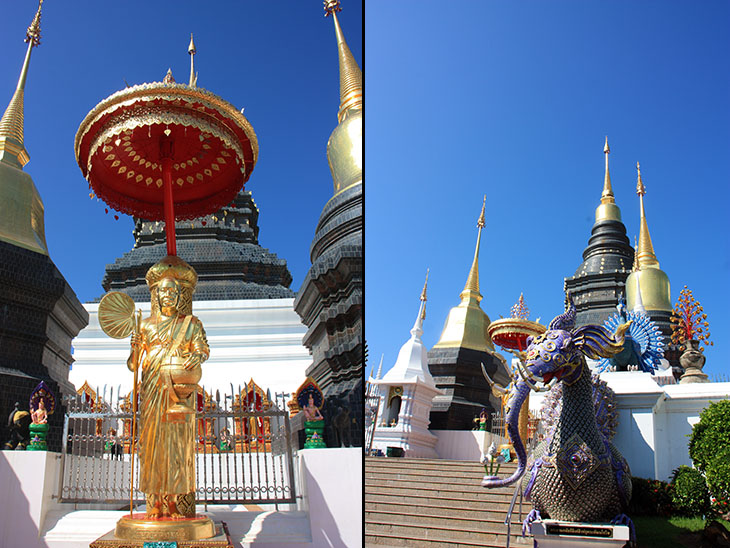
x,y
651,498
690,495
711,434
718,480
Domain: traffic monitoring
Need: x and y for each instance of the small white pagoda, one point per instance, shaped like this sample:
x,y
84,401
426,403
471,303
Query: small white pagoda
x,y
406,397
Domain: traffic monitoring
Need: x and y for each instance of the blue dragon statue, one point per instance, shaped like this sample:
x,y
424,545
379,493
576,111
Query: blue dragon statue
x,y
575,474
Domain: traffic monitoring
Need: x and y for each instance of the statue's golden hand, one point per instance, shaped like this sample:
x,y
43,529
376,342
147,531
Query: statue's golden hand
x,y
193,361
136,341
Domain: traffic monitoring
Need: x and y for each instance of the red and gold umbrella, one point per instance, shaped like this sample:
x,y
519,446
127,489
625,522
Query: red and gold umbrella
x,y
166,151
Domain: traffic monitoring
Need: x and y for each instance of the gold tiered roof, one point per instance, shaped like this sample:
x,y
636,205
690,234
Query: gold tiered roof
x,y
21,207
344,148
467,324
607,210
654,283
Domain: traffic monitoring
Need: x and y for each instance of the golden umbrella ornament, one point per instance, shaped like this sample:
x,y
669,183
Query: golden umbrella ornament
x,y
118,320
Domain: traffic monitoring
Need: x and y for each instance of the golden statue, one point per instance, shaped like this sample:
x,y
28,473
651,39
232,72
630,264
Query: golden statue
x,y
174,346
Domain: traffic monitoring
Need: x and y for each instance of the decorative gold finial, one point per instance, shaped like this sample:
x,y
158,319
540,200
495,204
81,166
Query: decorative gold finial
x,y
640,188
168,79
472,282
331,6
192,51
33,34
607,196
520,310
422,315
480,222
350,73
425,285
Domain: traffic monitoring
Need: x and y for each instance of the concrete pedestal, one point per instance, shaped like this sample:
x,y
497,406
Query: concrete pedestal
x,y
551,533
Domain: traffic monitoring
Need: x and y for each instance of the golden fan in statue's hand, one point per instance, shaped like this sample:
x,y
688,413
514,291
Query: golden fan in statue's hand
x,y
116,314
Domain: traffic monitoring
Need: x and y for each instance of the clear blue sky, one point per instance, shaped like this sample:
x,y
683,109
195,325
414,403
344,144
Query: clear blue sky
x,y
278,60
513,100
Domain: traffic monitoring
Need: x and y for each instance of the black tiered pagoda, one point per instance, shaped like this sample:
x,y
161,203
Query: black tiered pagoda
x,y
40,313
607,261
330,299
223,248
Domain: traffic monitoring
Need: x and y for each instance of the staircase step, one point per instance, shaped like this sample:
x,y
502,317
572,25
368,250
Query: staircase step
x,y
445,490
464,523
428,503
489,511
442,534
470,485
384,541
456,504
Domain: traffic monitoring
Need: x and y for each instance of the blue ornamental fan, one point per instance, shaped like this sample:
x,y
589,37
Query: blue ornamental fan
x,y
643,346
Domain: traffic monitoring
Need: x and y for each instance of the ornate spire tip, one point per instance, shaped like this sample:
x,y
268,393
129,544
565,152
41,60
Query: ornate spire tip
x,y
331,7
480,222
640,188
425,285
191,47
33,34
606,150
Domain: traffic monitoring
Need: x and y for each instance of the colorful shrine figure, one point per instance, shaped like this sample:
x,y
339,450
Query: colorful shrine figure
x,y
18,423
311,412
225,439
310,400
42,403
170,348
483,420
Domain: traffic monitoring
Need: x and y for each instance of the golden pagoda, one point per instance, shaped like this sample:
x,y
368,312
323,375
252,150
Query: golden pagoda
x,y
653,282
21,207
466,325
344,148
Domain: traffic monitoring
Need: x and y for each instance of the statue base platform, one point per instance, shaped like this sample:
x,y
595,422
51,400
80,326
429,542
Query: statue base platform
x,y
550,533
168,532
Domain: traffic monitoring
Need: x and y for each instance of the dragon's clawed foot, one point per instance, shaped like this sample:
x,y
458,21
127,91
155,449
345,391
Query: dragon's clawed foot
x,y
623,519
534,515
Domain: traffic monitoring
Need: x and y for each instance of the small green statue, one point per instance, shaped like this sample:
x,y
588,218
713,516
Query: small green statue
x,y
42,404
310,399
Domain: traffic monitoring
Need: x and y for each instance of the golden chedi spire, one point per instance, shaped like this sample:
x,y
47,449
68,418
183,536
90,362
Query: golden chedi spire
x,y
653,283
350,74
466,325
21,207
471,288
607,210
344,148
647,257
12,148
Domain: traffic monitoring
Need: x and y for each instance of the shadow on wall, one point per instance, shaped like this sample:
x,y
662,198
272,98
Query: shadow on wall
x,y
17,528
325,532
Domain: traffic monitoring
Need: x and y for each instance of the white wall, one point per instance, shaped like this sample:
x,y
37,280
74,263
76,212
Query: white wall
x,y
329,513
258,338
654,423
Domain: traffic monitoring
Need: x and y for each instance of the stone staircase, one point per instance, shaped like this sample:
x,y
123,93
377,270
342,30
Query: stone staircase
x,y
424,503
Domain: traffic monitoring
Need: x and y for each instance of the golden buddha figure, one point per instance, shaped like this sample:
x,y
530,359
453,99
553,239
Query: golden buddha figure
x,y
169,349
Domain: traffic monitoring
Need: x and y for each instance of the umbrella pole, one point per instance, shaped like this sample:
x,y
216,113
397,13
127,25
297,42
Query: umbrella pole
x,y
166,151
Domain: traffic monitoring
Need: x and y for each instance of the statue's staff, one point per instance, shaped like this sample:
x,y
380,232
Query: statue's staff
x,y
137,322
118,320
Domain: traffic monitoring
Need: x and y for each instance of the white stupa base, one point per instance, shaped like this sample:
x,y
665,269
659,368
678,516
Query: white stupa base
x,y
551,533
415,444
